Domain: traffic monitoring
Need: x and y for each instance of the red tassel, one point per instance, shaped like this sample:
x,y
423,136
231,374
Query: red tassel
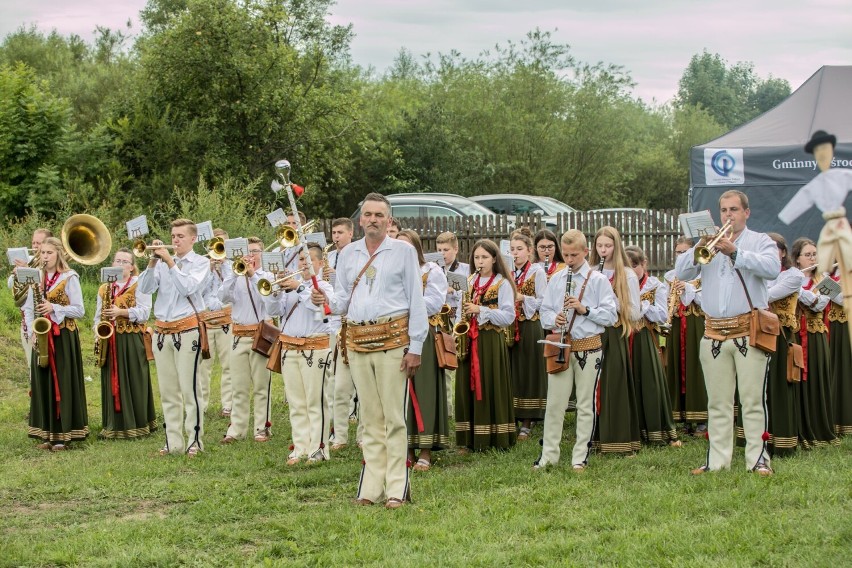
x,y
268,424
706,435
407,463
765,436
363,462
322,445
298,190
292,447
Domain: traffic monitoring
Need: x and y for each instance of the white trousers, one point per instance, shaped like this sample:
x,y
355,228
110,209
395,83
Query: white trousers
x,y
178,358
220,347
726,369
342,400
581,375
383,395
304,380
250,379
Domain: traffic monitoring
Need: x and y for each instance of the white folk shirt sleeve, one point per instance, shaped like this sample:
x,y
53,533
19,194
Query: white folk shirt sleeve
x,y
175,284
813,301
722,292
788,282
240,291
633,289
75,308
504,313
396,287
827,191
436,288
656,311
533,303
304,321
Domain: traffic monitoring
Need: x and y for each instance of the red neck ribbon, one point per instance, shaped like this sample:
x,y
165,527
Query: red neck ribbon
x,y
519,281
475,379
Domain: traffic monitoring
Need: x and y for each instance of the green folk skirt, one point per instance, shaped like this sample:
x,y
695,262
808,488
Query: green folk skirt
x,y
782,400
430,388
66,420
817,410
656,424
688,392
529,373
490,422
841,371
617,429
137,415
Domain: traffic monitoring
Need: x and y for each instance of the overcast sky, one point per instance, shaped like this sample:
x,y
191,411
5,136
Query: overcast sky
x,y
652,39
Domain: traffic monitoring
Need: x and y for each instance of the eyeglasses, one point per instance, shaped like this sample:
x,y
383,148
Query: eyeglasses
x,y
255,251
122,262
809,255
546,247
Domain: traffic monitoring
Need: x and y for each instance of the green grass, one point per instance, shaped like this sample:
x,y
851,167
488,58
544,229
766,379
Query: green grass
x,y
115,503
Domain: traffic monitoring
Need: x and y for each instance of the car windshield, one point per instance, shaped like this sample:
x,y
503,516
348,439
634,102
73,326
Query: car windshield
x,y
553,206
471,208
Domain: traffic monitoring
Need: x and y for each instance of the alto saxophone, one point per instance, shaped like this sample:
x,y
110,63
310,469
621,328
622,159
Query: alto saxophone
x,y
325,264
461,328
104,329
41,327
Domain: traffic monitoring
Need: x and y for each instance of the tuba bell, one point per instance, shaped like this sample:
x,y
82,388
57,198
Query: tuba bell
x,y
86,239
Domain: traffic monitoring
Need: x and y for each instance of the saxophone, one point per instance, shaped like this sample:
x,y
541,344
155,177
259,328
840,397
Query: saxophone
x,y
41,327
461,328
325,264
104,330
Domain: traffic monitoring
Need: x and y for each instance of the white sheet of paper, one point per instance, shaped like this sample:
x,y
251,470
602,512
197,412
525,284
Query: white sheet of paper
x,y
318,238
272,261
236,248
457,281
277,217
696,225
111,273
14,254
827,287
137,228
204,231
26,275
505,246
436,257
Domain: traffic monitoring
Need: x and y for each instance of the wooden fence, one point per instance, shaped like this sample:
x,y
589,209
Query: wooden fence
x,y
654,230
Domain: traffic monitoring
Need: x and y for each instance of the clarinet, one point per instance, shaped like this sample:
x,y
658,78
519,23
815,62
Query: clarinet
x,y
561,357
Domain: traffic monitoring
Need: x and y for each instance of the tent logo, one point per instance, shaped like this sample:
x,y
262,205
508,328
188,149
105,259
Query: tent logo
x,y
724,166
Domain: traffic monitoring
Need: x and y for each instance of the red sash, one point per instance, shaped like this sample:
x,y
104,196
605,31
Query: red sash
x,y
475,379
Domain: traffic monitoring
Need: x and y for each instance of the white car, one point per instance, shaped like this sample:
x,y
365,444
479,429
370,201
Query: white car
x,y
513,204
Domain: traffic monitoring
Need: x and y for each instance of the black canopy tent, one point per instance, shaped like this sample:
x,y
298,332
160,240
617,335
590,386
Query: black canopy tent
x,y
765,158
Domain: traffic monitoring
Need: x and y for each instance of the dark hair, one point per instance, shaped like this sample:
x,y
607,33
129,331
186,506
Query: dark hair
x,y
636,255
312,246
547,235
394,223
500,267
346,221
415,242
782,246
799,245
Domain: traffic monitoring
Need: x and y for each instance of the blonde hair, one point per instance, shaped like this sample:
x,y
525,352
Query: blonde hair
x,y
61,256
186,223
574,237
620,264
447,238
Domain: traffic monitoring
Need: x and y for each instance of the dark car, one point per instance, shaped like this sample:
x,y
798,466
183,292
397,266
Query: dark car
x,y
513,204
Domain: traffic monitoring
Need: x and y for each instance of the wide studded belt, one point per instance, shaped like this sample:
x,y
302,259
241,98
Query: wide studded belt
x,y
216,318
591,343
247,330
313,343
721,329
177,326
366,337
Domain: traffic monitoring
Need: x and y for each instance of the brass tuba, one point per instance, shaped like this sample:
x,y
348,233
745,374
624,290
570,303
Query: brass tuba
x,y
86,239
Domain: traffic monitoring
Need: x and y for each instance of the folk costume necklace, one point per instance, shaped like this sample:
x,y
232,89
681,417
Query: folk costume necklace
x,y
473,332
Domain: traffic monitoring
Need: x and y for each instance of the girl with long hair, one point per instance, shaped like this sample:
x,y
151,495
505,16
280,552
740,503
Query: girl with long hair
x,y
485,417
58,401
127,399
547,252
618,418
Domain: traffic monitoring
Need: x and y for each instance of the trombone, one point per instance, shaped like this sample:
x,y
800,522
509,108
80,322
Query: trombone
x,y
142,250
705,254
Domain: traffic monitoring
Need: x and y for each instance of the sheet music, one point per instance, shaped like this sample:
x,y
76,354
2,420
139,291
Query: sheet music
x,y
236,248
828,287
14,254
505,247
696,225
111,274
272,261
318,238
26,275
277,217
436,257
456,281
137,228
204,231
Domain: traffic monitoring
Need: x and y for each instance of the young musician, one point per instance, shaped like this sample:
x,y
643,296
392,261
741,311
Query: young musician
x,y
250,375
427,417
618,427
379,288
782,396
305,359
127,399
485,417
217,318
529,374
729,362
840,350
548,253
343,402
447,244
393,228
583,321
817,407
58,412
20,291
656,423
179,283
683,367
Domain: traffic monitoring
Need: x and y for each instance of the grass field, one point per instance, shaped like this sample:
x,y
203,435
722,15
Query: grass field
x,y
116,503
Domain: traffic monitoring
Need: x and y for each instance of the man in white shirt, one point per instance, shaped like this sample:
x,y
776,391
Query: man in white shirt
x,y
586,317
179,283
728,361
249,373
380,290
217,318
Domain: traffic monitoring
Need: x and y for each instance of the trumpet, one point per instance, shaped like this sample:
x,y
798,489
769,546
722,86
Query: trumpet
x,y
104,330
265,287
240,267
215,248
142,250
286,236
41,327
705,254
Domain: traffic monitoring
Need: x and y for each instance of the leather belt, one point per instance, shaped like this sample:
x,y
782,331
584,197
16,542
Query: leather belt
x,y
291,343
216,318
247,330
177,326
366,337
591,343
721,329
